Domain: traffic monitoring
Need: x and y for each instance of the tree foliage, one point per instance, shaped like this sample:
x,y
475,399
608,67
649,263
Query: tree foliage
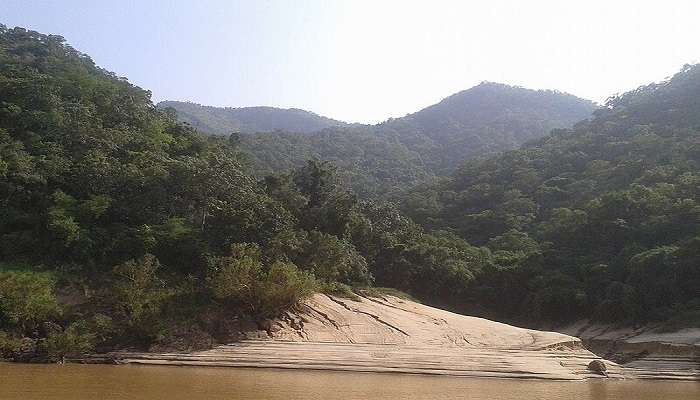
x,y
599,220
130,225
224,121
143,225
383,160
27,299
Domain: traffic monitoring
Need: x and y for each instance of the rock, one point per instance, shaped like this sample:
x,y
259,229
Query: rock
x,y
598,366
293,321
391,335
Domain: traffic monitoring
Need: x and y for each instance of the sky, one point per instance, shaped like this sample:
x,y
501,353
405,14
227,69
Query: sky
x,y
366,61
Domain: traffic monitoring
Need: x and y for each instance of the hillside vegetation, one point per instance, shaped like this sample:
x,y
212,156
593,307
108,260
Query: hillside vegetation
x,y
122,227
224,121
601,221
385,159
486,119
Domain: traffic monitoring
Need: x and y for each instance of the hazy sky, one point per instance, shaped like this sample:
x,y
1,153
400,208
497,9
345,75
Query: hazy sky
x,y
366,61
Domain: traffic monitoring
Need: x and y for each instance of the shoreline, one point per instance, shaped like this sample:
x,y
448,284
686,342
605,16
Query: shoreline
x,y
392,335
513,364
616,372
644,351
333,370
375,358
389,334
416,367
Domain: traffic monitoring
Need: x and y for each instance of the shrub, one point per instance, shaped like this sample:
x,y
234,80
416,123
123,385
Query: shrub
x,y
340,290
241,281
283,286
27,298
8,345
138,296
75,340
233,279
333,259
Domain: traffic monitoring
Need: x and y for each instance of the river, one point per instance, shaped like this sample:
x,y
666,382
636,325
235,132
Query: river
x,y
108,382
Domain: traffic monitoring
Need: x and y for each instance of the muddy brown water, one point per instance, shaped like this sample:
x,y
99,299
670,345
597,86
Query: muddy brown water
x,y
83,382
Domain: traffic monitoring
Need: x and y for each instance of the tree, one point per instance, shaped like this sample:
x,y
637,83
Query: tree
x,y
335,260
138,295
27,299
240,281
75,341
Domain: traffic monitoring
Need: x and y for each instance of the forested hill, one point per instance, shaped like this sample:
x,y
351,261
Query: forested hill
x,y
492,103
224,121
602,220
400,153
487,118
122,227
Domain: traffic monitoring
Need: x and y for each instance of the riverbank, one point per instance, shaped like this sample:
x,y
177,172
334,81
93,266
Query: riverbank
x,y
389,334
646,352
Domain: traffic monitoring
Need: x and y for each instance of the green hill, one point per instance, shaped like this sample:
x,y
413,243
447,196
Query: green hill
x,y
224,121
486,119
389,157
601,220
121,227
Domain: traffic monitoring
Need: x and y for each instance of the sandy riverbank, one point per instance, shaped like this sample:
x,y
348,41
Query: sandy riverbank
x,y
388,334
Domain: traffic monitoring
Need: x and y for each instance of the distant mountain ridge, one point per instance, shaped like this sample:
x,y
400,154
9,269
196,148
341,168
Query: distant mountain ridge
x,y
491,102
225,120
487,118
400,152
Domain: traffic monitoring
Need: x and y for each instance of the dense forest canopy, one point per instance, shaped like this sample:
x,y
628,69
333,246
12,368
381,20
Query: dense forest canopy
x,y
601,220
373,166
385,159
486,119
121,226
226,120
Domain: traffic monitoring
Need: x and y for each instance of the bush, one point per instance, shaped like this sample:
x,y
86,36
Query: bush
x,y
687,316
340,290
9,345
335,260
385,291
241,281
27,299
283,286
137,297
74,341
233,279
